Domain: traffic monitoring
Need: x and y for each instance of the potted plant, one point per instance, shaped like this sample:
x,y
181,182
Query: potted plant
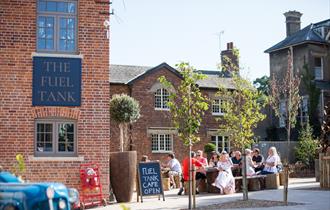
x,y
124,110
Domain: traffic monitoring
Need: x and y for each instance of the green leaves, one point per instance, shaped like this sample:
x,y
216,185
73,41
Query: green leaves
x,y
307,146
242,111
187,104
124,109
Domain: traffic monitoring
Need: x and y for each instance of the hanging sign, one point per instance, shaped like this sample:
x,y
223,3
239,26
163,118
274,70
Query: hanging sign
x,y
56,81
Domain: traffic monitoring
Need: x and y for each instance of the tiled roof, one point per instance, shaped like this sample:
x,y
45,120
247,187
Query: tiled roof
x,y
214,80
307,34
122,74
125,74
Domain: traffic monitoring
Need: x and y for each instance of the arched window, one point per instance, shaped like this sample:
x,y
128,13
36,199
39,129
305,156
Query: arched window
x,y
161,99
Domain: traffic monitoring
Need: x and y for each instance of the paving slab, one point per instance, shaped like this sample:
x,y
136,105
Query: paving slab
x,y
298,192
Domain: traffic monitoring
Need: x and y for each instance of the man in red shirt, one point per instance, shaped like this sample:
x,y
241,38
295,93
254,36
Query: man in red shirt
x,y
185,171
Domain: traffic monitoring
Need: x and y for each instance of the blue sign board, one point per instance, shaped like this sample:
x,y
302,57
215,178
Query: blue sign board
x,y
150,179
56,81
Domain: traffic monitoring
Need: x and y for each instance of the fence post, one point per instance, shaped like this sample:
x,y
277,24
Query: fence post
x,y
321,169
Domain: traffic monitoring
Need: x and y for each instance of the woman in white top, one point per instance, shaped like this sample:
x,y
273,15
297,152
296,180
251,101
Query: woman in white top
x,y
249,163
225,180
271,162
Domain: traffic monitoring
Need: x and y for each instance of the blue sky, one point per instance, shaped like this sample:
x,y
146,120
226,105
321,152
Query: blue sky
x,y
149,32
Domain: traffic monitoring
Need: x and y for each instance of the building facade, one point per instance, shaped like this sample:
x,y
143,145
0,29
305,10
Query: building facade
x,y
153,134
310,47
54,67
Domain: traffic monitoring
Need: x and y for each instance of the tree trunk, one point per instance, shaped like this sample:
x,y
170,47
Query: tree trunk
x,y
121,137
245,189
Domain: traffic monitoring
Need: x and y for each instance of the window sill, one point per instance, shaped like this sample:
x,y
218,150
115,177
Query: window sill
x,y
75,159
218,114
162,152
56,55
160,109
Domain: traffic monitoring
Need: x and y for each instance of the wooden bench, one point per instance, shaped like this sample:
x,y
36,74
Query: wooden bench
x,y
255,182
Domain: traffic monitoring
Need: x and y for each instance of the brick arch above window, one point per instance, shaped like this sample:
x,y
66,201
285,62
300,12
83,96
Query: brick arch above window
x,y
157,86
61,112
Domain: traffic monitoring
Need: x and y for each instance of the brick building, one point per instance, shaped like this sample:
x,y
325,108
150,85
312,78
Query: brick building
x,y
153,134
310,46
54,88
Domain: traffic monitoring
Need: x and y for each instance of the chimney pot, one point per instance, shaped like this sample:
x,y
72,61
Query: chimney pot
x,y
292,20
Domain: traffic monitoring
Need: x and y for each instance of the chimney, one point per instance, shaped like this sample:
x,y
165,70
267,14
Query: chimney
x,y
228,59
292,20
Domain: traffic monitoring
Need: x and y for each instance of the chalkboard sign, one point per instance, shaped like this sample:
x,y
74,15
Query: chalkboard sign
x,y
150,179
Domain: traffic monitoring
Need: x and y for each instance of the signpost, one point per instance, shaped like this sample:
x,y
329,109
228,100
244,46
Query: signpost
x,y
150,179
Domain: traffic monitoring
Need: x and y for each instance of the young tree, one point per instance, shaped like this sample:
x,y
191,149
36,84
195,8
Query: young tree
x,y
187,106
286,92
242,113
124,110
307,146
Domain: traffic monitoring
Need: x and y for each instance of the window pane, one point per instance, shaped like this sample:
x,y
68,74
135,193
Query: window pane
x,y
41,44
70,34
62,44
51,6
49,33
44,137
70,45
42,6
41,21
65,137
49,44
154,142
50,22
71,23
63,23
161,142
62,34
62,6
72,7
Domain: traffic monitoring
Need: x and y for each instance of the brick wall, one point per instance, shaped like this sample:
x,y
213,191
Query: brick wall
x,y
140,90
17,43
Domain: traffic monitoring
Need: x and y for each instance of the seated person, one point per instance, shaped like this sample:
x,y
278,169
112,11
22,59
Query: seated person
x,y
237,163
270,165
225,180
257,159
249,163
214,159
174,168
185,171
200,172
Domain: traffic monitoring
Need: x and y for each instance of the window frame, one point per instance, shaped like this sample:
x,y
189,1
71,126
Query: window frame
x,y
162,104
221,112
303,108
223,140
55,139
158,139
320,68
56,36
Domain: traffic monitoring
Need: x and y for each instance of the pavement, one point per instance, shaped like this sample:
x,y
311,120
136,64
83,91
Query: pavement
x,y
309,199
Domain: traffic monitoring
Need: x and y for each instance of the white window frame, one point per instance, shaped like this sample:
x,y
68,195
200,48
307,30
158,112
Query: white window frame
x,y
319,69
220,142
217,103
55,133
163,102
161,141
